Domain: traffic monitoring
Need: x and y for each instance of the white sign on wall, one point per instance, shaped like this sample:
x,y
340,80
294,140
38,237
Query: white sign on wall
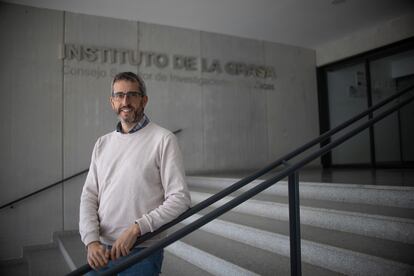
x,y
263,75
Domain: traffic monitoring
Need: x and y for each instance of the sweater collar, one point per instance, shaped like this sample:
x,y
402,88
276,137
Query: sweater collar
x,y
141,124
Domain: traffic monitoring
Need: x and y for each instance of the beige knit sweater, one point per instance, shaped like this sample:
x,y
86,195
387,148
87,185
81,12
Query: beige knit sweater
x,y
132,177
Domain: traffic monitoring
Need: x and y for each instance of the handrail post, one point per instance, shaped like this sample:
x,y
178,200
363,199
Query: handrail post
x,y
294,225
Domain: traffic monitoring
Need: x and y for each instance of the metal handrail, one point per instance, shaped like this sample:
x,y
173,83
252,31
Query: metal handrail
x,y
202,205
11,203
130,260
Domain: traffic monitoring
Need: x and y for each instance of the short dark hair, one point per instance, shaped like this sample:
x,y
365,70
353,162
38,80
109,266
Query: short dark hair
x,y
130,76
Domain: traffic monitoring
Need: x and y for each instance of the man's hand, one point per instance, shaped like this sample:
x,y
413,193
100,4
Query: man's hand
x,y
124,243
98,256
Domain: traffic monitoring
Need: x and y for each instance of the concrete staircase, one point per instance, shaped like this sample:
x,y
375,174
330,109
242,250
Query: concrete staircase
x,y
346,229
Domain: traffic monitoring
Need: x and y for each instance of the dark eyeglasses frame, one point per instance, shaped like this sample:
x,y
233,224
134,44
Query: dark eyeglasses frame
x,y
130,94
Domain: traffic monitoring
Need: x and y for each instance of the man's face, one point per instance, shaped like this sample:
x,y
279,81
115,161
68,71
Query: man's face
x,y
128,108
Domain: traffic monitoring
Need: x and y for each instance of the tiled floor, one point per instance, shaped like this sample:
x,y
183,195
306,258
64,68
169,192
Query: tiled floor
x,y
387,177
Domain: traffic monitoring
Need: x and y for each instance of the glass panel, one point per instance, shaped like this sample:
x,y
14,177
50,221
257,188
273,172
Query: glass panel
x,y
392,135
347,97
407,121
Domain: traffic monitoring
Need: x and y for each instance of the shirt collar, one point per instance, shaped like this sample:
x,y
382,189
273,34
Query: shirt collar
x,y
141,124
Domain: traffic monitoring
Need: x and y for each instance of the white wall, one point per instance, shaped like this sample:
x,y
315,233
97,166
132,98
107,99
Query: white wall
x,y
368,39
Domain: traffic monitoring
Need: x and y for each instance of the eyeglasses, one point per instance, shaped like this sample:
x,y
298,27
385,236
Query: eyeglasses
x,y
119,96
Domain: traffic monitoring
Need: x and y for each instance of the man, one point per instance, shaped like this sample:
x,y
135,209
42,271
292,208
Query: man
x,y
136,183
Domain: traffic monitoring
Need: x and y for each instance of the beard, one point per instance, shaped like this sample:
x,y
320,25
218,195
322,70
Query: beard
x,y
134,116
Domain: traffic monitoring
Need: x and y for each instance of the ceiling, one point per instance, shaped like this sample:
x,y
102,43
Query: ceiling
x,y
294,22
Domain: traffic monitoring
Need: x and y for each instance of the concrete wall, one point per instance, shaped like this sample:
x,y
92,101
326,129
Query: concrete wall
x,y
292,110
54,109
382,34
31,122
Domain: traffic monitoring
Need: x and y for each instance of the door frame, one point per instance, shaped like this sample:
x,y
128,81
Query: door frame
x,y
323,100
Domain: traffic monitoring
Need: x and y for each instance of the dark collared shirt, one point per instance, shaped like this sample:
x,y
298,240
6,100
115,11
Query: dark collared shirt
x,y
142,123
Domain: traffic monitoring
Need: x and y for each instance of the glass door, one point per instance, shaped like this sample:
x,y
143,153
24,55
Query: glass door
x,y
351,86
394,135
347,96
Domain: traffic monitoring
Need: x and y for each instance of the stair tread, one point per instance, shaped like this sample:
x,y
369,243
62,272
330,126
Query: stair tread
x,y
47,261
325,204
173,265
251,258
378,177
391,250
75,247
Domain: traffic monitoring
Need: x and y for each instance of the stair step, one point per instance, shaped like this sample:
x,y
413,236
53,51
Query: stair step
x,y
394,229
390,211
45,260
175,266
72,248
249,257
324,256
392,196
395,251
16,267
206,261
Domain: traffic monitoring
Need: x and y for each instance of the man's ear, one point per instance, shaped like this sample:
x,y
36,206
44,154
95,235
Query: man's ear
x,y
111,101
144,100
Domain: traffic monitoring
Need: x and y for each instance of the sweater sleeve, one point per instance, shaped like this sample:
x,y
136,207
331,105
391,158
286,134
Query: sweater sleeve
x,y
176,194
88,211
